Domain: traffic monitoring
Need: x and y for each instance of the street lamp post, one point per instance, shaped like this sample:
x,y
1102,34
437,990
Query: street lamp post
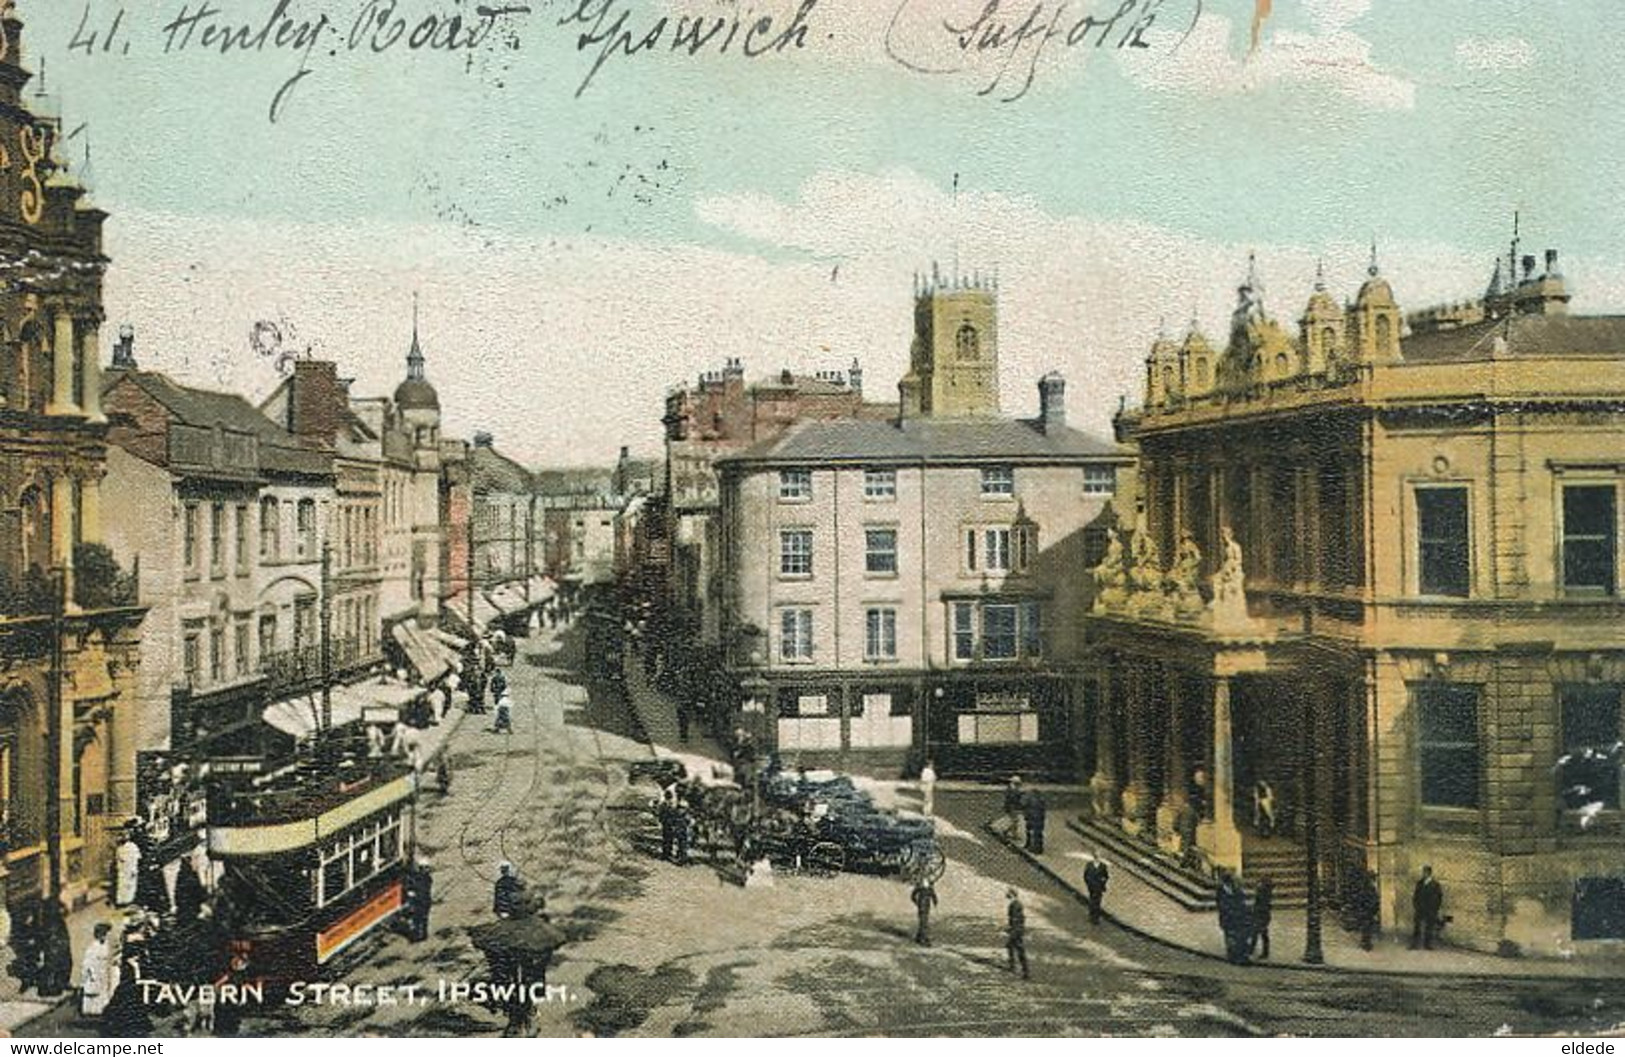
x,y
1312,954
327,636
53,739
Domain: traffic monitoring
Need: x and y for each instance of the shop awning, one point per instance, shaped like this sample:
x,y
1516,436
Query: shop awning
x,y
431,657
484,611
542,590
299,717
510,598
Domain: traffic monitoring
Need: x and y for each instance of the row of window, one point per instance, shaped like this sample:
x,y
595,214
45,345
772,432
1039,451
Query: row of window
x,y
1587,770
982,631
988,549
238,663
349,861
880,483
236,521
1589,553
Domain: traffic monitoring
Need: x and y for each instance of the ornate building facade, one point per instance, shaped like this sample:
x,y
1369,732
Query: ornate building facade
x,y
68,640
1379,570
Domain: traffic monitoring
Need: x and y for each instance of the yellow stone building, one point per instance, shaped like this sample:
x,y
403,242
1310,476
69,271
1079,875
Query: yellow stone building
x,y
68,630
1378,568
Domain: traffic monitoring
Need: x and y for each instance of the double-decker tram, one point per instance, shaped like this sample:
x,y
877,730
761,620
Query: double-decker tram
x,y
314,856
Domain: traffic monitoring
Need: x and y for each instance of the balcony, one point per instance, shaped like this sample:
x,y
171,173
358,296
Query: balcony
x,y
294,671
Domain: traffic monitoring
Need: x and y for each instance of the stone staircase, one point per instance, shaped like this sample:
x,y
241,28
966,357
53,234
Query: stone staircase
x,y
1281,861
1161,871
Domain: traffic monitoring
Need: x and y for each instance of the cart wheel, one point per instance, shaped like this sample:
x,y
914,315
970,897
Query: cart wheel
x,y
826,858
924,863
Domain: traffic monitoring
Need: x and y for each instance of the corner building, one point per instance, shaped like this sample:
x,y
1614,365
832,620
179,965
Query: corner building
x,y
1379,568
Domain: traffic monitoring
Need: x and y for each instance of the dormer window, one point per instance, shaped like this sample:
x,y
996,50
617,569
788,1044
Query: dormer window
x,y
967,343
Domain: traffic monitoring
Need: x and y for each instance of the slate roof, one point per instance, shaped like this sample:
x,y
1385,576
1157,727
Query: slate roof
x,y
1526,336
495,473
280,451
934,440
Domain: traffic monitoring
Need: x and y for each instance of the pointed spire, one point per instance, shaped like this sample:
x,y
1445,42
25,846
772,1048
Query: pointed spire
x,y
1252,270
414,358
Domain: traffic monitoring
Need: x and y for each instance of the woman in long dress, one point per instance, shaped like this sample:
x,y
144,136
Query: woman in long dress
x,y
98,975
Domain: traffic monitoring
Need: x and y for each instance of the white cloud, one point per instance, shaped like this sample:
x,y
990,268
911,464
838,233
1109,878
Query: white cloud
x,y
565,349
1495,53
1211,62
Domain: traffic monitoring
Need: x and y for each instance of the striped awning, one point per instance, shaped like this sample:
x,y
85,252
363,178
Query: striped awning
x,y
300,717
431,657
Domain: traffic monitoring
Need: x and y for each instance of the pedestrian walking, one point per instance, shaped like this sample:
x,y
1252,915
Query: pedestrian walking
x,y
1427,906
508,897
98,973
928,789
1234,918
419,897
189,893
1095,876
666,812
1263,906
56,952
499,684
1367,907
682,824
925,897
1263,808
128,866
1035,809
1010,822
125,1016
504,720
1015,933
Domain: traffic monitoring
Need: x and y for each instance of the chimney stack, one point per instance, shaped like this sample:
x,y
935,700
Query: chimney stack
x,y
483,439
124,348
855,377
1052,402
1551,264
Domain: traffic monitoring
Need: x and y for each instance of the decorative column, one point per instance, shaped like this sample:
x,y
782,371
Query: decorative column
x,y
63,353
62,529
1225,848
1176,779
1103,784
90,361
1139,805
90,508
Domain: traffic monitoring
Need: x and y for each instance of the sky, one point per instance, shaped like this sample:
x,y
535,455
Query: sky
x,y
582,240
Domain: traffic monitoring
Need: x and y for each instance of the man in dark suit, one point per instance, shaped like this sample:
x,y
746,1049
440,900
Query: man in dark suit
x,y
1035,809
925,897
1427,905
1015,933
1095,876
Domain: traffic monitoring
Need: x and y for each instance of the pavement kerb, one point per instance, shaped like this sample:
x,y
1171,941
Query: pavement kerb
x,y
1058,878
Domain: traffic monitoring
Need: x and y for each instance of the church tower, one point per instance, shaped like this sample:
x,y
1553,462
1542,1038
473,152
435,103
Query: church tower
x,y
954,362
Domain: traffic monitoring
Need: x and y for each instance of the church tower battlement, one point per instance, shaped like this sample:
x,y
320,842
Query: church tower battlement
x,y
954,362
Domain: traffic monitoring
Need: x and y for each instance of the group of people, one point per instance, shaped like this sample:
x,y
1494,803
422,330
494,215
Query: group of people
x,y
511,898
924,897
1025,816
1246,925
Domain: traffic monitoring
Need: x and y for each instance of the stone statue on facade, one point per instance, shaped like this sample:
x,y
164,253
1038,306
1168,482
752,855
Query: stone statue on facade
x,y
1183,579
1149,582
1111,575
1229,586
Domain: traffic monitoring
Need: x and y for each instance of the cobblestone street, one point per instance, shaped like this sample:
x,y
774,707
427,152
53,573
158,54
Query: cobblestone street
x,y
662,950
